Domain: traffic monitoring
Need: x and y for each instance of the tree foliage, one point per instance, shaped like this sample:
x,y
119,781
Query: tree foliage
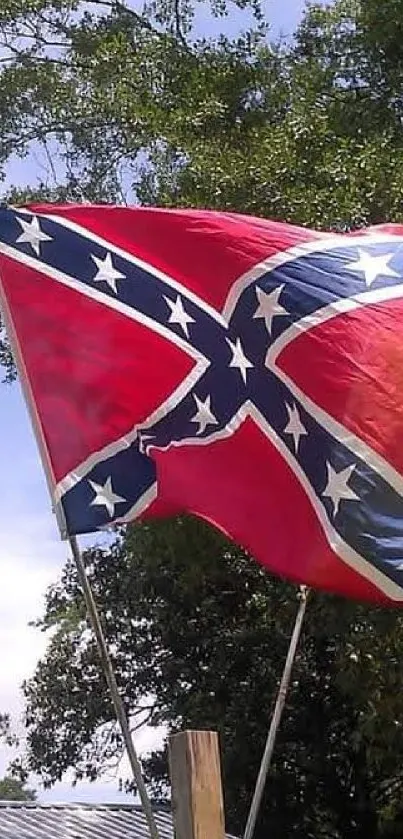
x,y
127,105
12,789
124,105
199,634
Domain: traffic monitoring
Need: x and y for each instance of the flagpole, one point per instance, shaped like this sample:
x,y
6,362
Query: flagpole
x,y
113,686
276,718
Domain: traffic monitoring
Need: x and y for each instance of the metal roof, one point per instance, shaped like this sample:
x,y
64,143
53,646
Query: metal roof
x,y
32,820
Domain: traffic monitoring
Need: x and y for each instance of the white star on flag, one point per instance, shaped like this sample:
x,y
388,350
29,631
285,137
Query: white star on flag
x,y
295,426
178,314
204,415
372,266
268,306
239,359
105,496
32,234
337,488
107,273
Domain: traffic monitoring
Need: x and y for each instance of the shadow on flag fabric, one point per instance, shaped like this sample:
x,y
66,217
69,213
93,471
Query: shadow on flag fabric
x,y
246,371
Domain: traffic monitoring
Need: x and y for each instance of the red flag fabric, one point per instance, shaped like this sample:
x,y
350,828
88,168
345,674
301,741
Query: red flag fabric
x,y
246,371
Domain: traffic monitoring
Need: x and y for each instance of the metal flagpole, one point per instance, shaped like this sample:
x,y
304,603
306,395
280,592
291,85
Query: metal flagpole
x,y
276,718
113,687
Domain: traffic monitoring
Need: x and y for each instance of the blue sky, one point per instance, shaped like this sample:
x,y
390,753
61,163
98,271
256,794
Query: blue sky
x,y
31,553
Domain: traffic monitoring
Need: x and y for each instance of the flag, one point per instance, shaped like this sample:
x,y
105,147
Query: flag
x,y
246,371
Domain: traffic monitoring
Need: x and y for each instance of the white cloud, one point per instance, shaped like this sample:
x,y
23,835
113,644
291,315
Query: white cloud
x,y
26,571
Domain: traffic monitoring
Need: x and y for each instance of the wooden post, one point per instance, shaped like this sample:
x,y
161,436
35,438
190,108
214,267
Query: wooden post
x,y
197,798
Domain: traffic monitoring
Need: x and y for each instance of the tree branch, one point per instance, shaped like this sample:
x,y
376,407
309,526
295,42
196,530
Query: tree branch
x,y
178,27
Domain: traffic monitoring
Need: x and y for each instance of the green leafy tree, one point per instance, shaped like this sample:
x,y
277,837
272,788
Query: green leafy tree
x,y
125,105
12,789
199,634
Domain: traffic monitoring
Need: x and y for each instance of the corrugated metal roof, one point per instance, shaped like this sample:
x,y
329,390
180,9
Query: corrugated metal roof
x,y
22,820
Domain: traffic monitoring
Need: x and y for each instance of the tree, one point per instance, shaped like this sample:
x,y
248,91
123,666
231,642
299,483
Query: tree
x,y
124,104
12,789
199,634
